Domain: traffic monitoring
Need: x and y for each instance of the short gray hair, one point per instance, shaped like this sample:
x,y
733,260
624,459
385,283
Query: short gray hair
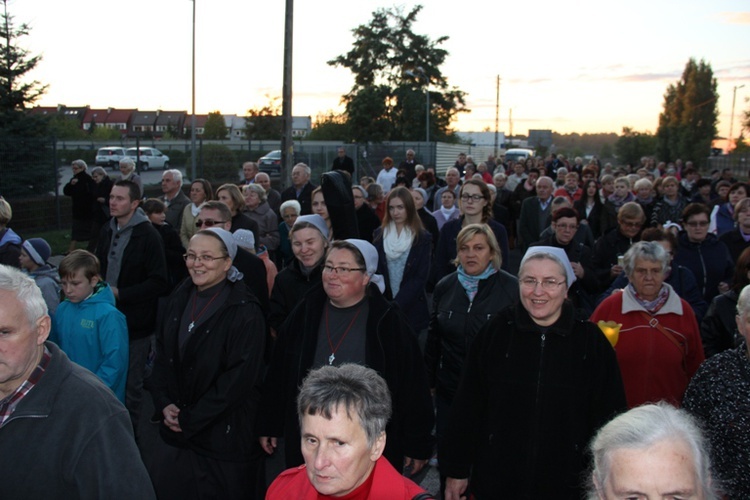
x,y
258,190
98,170
642,427
290,204
648,250
307,169
25,290
127,162
354,388
79,163
176,174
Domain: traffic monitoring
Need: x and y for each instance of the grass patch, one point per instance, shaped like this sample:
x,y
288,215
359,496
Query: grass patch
x,y
59,240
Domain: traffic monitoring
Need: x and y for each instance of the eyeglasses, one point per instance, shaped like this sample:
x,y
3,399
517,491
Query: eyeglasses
x,y
631,225
697,223
205,259
472,197
341,270
565,227
547,284
208,222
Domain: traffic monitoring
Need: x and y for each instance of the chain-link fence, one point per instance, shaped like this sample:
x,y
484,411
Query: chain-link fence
x,y
34,171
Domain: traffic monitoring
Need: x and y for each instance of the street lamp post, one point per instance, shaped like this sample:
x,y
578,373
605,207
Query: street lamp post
x,y
731,120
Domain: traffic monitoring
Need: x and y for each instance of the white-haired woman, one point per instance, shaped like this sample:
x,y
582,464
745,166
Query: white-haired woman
x,y
537,384
289,211
652,451
258,209
659,346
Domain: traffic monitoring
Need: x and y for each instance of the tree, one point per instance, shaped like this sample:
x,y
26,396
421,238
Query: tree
x,y
687,126
266,122
216,127
330,127
15,93
24,151
632,146
105,134
392,66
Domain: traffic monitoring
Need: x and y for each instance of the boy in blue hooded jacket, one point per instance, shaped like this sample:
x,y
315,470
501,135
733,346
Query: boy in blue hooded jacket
x,y
87,326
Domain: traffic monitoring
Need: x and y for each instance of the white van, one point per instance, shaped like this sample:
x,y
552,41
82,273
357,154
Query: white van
x,y
518,154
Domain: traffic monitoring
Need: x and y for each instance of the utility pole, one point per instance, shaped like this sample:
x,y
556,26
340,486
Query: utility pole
x,y
193,173
287,143
731,120
510,125
497,114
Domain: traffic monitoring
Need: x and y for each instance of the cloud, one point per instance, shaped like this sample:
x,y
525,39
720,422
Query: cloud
x,y
735,17
647,77
529,81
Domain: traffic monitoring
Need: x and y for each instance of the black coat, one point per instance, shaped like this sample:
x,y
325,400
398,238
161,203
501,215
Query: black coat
x,y
254,275
606,250
390,349
143,276
304,199
719,327
100,210
528,404
289,287
411,296
81,195
367,222
735,243
455,322
173,253
214,381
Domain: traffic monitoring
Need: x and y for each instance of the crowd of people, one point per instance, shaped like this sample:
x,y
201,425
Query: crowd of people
x,y
375,326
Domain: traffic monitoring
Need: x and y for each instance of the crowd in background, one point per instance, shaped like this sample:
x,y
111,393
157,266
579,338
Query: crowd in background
x,y
219,301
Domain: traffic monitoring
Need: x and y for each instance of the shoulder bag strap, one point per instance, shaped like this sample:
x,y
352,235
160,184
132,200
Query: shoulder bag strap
x,y
654,323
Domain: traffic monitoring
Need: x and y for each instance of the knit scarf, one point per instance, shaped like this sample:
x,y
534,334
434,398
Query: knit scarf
x,y
620,201
471,283
447,212
396,244
652,306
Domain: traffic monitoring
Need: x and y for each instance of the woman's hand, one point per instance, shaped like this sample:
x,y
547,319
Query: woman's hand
x,y
268,444
171,412
414,465
578,270
455,488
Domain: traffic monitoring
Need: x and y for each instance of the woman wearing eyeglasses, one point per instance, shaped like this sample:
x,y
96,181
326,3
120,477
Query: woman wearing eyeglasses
x,y
200,191
703,253
209,357
404,251
347,320
659,347
475,202
537,384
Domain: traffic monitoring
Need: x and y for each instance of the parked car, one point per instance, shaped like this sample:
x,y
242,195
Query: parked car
x,y
149,158
518,154
110,156
271,162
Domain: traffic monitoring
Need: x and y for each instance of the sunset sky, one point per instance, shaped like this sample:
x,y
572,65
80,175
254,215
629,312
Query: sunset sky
x,y
585,66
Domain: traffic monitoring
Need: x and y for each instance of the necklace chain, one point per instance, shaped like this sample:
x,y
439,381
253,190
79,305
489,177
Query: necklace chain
x,y
332,357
